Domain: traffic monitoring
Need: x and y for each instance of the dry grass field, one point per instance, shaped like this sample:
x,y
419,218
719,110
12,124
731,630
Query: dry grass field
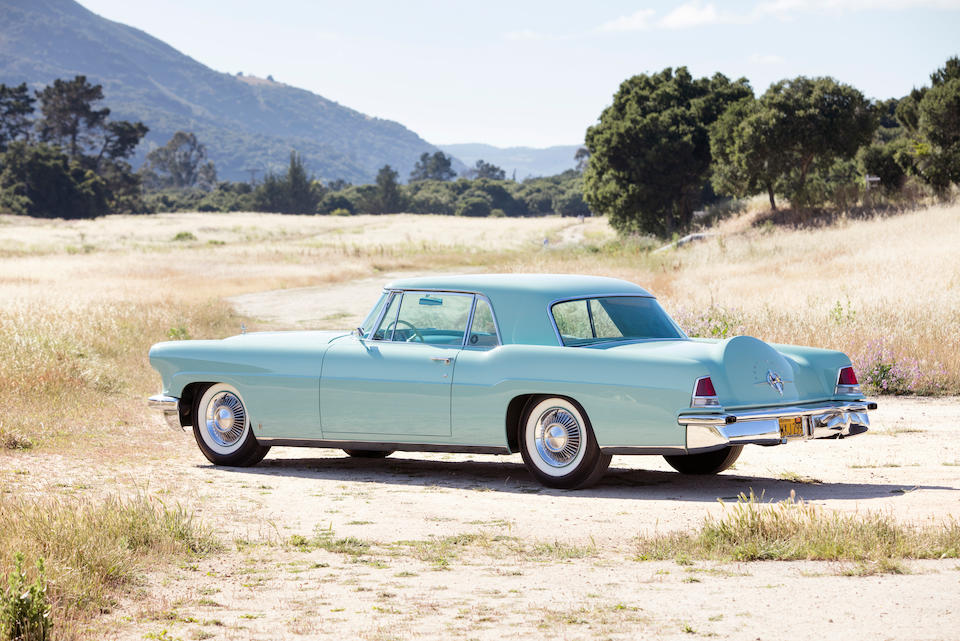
x,y
82,301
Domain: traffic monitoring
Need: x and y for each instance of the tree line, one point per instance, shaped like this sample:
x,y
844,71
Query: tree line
x,y
61,154
670,143
432,187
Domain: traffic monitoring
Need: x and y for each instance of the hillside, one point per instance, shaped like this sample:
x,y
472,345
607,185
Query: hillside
x,y
526,161
244,122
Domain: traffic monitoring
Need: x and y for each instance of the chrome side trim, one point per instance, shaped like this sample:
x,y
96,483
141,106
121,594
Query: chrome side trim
x,y
383,446
473,310
644,449
375,323
170,406
493,314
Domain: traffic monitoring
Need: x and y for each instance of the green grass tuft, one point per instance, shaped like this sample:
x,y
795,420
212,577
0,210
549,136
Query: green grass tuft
x,y
794,530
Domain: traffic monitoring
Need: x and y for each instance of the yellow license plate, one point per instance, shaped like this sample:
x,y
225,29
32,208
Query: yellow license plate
x,y
791,426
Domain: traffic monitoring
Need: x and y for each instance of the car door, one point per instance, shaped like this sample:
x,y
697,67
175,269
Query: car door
x,y
395,381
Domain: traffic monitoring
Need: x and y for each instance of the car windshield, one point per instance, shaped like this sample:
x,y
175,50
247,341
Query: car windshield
x,y
589,321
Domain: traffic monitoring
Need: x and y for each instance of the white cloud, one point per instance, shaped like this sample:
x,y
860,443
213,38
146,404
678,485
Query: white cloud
x,y
692,14
766,59
637,21
698,14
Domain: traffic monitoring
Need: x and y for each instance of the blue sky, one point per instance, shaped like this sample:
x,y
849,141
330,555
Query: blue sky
x,y
538,73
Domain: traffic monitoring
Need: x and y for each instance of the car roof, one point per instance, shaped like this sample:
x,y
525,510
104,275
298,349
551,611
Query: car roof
x,y
521,302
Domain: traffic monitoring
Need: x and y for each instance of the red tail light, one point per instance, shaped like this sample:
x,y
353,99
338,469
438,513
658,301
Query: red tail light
x,y
705,387
847,382
848,377
704,395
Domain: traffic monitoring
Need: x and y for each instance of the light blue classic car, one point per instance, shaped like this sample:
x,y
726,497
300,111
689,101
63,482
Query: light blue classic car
x,y
566,370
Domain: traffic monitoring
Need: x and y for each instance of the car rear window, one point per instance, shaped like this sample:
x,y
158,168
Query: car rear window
x,y
589,321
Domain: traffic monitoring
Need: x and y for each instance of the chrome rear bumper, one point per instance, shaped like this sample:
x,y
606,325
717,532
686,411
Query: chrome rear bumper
x,y
833,419
170,407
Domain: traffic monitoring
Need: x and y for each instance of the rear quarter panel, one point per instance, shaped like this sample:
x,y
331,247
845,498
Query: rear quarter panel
x,y
629,401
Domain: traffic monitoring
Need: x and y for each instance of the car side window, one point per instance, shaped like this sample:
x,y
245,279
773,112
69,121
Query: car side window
x,y
483,332
572,319
429,317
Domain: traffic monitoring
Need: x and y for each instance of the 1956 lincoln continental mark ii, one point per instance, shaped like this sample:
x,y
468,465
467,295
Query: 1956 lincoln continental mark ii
x,y
566,370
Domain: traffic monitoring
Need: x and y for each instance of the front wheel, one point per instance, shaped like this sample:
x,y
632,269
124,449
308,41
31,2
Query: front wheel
x,y
222,428
558,445
706,463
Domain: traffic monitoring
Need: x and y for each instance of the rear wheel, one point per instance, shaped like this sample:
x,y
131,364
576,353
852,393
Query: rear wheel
x,y
369,453
222,428
558,445
706,463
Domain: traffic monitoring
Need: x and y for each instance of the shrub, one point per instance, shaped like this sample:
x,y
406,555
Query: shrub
x,y
882,370
473,203
24,610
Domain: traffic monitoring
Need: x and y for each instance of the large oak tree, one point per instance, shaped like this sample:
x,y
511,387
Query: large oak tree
x,y
650,151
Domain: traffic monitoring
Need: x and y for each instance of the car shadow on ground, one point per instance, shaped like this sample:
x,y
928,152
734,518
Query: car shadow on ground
x,y
618,483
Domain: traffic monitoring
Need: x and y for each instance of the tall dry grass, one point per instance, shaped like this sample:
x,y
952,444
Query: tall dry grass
x,y
884,290
82,301
794,530
93,550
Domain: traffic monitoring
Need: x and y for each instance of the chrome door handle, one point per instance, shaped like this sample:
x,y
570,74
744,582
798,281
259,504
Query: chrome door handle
x,y
441,359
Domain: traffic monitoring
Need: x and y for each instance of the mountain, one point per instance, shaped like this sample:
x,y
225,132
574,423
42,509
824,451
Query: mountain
x,y
526,161
245,122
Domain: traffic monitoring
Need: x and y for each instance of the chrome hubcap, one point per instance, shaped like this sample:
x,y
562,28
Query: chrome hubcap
x,y
558,437
225,419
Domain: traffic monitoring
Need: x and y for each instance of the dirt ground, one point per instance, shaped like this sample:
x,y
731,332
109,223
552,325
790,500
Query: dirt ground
x,y
578,576
529,562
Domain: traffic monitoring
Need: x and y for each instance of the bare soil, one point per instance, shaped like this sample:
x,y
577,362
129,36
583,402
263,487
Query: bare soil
x,y
585,582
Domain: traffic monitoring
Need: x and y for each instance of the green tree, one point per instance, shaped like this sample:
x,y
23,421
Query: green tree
x,y
389,200
302,195
432,197
16,108
932,116
485,169
582,156
571,203
293,192
120,139
650,152
68,117
40,180
179,164
438,166
798,127
474,202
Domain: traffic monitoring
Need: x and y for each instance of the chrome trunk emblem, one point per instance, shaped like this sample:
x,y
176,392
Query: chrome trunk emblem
x,y
774,381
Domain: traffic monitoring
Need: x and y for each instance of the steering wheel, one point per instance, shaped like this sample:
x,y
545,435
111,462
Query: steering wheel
x,y
416,332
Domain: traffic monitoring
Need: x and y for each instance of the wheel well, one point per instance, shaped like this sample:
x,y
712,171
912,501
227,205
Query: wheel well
x,y
188,397
514,414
